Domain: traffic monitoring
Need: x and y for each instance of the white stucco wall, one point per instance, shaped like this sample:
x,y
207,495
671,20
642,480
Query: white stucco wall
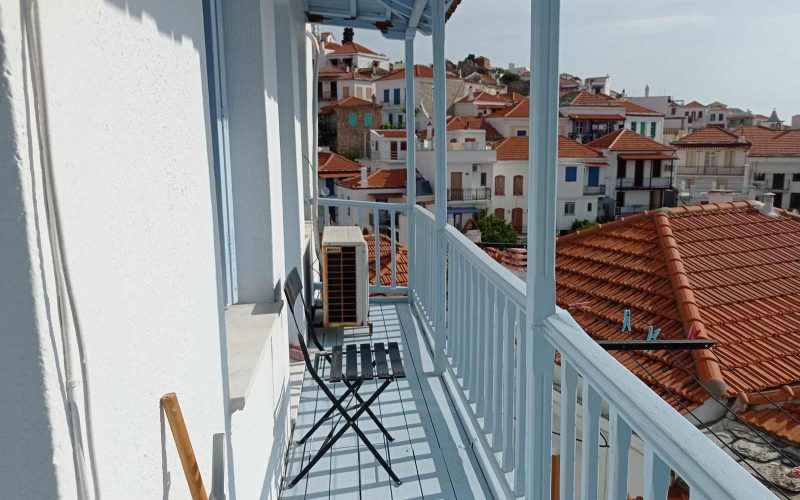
x,y
128,139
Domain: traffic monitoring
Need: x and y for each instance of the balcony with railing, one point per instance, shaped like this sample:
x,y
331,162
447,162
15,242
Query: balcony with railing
x,y
643,182
509,401
630,209
592,190
711,170
469,194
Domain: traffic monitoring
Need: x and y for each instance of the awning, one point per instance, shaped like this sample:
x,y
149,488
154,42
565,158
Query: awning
x,y
463,210
647,156
597,117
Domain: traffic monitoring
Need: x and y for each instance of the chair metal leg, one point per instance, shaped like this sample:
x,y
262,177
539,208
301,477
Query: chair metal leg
x,y
328,413
372,415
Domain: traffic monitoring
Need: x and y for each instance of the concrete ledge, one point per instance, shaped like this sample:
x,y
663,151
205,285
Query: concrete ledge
x,y
248,328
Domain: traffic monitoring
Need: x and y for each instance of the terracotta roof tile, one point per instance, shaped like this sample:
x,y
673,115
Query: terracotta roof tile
x,y
693,104
352,48
516,148
728,271
394,178
347,102
584,98
328,69
484,97
770,142
332,162
390,133
420,71
401,261
631,108
628,140
711,136
521,109
776,421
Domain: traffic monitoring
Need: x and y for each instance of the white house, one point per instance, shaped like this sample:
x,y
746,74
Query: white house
x,y
352,56
645,121
711,159
642,179
774,160
585,116
580,185
390,91
511,121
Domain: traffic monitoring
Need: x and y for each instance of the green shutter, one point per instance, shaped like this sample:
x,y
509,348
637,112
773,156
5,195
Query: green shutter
x,y
367,119
641,127
353,119
652,130
633,126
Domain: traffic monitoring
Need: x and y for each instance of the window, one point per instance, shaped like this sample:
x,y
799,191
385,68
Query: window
x,y
399,119
569,208
652,130
795,177
518,182
397,96
656,169
633,126
403,146
642,125
672,111
345,91
710,159
386,96
391,119
794,201
620,198
483,179
759,176
778,181
359,92
713,116
571,173
500,213
522,132
516,219
699,114
353,119
500,185
589,207
620,168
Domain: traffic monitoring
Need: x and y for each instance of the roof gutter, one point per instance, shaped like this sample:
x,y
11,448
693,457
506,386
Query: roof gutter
x,y
707,367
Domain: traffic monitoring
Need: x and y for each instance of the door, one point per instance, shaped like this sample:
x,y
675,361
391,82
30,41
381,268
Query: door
x,y
393,150
778,181
778,200
638,173
594,176
456,193
656,170
500,213
516,219
655,199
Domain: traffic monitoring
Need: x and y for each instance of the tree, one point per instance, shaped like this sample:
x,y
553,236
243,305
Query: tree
x,y
509,77
494,230
347,36
580,225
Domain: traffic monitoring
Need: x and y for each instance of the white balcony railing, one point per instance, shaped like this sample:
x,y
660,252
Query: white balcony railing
x,y
490,358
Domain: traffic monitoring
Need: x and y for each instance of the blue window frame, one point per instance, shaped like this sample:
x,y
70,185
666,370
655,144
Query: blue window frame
x,y
386,96
571,173
397,96
220,145
367,119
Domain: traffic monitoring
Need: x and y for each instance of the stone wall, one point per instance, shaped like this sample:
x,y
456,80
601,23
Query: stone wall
x,y
354,141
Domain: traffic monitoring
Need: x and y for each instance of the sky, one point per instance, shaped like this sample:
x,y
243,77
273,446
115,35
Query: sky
x,y
744,53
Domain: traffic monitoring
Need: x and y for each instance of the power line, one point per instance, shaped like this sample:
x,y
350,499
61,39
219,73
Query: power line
x,y
740,419
705,426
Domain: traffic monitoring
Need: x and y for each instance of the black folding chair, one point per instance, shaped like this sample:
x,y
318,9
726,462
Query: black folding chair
x,y
353,380
292,289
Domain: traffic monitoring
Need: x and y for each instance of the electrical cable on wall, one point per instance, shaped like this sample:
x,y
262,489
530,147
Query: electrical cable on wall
x,y
65,298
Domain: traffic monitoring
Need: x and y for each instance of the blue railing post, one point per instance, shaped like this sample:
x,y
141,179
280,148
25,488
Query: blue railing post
x,y
440,145
411,161
541,283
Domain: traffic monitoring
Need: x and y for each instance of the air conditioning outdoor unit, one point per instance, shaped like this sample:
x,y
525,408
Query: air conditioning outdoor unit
x,y
345,277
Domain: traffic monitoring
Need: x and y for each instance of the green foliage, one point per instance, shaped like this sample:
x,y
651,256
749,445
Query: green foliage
x,y
580,225
494,230
509,77
348,34
390,126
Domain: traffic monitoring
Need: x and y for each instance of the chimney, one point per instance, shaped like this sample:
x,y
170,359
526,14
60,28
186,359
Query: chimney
x,y
429,132
471,95
348,68
364,180
647,90
372,98
768,206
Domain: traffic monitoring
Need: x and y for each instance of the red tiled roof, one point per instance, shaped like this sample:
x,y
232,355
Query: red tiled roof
x,y
332,165
353,48
512,96
776,422
393,178
332,46
646,156
356,75
582,116
726,271
632,108
693,104
516,148
519,110
628,140
328,69
401,261
768,142
483,96
347,102
584,98
711,136
393,134
420,71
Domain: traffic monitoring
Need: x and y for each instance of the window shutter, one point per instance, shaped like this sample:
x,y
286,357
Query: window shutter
x,y
367,119
500,185
353,119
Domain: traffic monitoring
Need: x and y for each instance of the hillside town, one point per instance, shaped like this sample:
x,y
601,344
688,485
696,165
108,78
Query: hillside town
x,y
619,155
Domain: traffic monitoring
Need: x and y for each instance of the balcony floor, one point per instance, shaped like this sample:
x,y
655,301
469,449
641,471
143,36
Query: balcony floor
x,y
431,452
